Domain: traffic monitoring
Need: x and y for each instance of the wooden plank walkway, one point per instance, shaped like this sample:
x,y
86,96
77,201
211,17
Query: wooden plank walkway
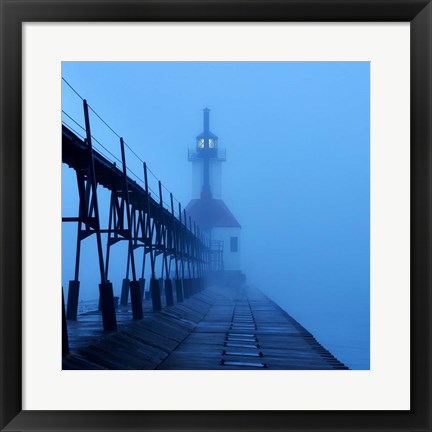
x,y
215,329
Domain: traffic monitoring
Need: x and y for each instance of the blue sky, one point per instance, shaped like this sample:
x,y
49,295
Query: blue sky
x,y
296,176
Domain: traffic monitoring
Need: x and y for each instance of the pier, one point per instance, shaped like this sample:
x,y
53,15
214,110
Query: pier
x,y
216,329
193,308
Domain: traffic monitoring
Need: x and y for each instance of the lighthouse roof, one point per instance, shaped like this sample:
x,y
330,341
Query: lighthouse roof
x,y
211,213
210,135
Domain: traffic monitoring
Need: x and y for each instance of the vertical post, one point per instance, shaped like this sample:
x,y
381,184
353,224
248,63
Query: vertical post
x,y
187,282
178,282
154,283
188,245
179,253
72,300
73,292
110,223
141,281
139,224
135,290
125,292
197,257
203,261
105,287
124,296
94,192
142,222
149,230
182,248
168,285
65,338
192,256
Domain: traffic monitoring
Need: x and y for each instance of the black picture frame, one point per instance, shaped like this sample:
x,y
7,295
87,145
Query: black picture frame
x,y
14,13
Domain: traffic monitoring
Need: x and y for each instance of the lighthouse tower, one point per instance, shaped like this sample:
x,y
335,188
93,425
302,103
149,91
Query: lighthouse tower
x,y
207,207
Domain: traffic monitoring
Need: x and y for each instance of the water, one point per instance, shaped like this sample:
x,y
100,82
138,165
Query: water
x,y
85,306
344,331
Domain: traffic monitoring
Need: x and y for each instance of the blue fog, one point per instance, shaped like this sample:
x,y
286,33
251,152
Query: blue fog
x,y
296,176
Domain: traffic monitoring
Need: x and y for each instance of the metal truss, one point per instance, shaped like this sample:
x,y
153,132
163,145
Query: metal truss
x,y
136,217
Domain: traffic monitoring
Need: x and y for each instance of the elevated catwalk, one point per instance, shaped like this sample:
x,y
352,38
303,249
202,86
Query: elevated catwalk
x,y
215,329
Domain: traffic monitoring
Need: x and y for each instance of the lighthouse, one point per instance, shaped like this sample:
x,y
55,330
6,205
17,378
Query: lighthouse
x,y
207,207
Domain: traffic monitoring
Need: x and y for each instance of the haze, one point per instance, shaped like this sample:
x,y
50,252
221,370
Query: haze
x,y
296,176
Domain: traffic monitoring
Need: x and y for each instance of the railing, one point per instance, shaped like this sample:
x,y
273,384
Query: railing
x,y
216,255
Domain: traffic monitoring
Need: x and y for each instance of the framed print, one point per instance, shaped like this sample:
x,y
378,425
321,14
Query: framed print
x,y
292,292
